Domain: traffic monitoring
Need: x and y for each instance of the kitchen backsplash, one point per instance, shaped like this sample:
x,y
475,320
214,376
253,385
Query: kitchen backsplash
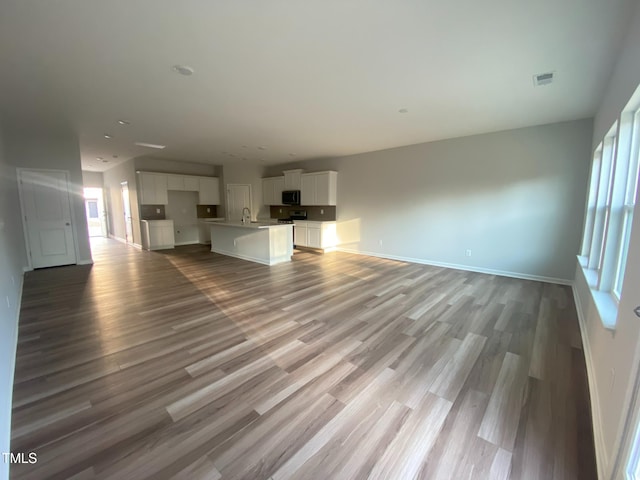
x,y
202,211
313,213
152,212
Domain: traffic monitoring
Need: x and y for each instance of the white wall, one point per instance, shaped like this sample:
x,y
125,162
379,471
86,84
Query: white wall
x,y
92,179
515,198
29,147
612,357
13,260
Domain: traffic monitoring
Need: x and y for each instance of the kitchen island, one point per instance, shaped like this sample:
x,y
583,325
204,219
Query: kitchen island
x,y
261,242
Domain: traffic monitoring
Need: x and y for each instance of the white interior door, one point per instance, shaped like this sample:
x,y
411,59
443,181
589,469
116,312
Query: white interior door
x,y
126,208
238,197
47,216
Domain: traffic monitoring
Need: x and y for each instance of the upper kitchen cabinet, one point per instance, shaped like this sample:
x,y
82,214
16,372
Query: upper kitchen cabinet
x,y
209,191
184,183
293,179
153,188
319,188
272,190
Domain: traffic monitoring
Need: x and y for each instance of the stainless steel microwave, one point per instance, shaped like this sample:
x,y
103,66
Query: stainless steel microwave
x,y
291,197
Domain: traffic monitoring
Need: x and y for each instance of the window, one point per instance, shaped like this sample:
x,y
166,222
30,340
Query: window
x,y
629,204
610,206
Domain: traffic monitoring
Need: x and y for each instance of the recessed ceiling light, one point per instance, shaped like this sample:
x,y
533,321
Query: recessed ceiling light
x,y
98,158
105,161
262,148
124,122
403,110
107,135
150,145
183,70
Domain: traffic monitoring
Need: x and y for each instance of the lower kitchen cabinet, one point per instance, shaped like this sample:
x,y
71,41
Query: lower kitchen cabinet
x,y
157,234
321,235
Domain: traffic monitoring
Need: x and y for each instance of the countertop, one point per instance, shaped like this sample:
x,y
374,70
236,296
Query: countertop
x,y
253,225
212,219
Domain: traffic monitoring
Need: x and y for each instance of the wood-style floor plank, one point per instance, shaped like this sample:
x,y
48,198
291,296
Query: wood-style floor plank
x,y
190,365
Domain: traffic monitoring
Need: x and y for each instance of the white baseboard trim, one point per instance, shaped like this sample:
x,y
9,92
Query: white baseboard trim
x,y
501,273
85,262
602,459
26,269
123,240
119,239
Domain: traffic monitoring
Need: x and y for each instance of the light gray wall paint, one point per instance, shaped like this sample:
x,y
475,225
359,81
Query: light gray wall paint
x,y
515,198
613,357
13,260
124,172
92,179
26,146
154,164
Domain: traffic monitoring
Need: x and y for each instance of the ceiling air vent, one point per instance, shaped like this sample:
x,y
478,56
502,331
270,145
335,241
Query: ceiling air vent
x,y
543,79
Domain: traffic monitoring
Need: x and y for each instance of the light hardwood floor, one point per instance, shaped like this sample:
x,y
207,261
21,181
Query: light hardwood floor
x,y
190,365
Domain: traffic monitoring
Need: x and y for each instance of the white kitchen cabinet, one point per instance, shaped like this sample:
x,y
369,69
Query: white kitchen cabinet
x,y
157,234
153,188
209,191
191,183
319,188
183,183
321,235
314,236
175,182
272,190
300,234
293,179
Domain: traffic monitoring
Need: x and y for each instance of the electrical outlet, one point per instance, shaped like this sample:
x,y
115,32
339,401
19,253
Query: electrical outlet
x,y
380,242
235,243
322,211
280,210
467,252
8,303
208,210
157,210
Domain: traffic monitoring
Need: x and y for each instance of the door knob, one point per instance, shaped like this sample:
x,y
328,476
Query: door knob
x,y
68,224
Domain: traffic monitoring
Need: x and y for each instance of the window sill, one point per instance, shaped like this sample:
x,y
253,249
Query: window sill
x,y
606,304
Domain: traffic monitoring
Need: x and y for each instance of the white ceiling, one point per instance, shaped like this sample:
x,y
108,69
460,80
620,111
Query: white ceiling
x,y
315,78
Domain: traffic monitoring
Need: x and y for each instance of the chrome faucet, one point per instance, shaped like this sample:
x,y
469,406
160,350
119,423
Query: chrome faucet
x,y
246,218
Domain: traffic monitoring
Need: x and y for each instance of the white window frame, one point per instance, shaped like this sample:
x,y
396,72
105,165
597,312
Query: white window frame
x,y
610,206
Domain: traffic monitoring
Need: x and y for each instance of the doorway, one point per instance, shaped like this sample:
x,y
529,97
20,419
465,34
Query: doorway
x,y
126,207
238,198
46,211
95,211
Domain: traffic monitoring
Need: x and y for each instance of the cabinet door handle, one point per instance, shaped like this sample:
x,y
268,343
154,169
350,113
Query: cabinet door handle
x,y
637,311
67,224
